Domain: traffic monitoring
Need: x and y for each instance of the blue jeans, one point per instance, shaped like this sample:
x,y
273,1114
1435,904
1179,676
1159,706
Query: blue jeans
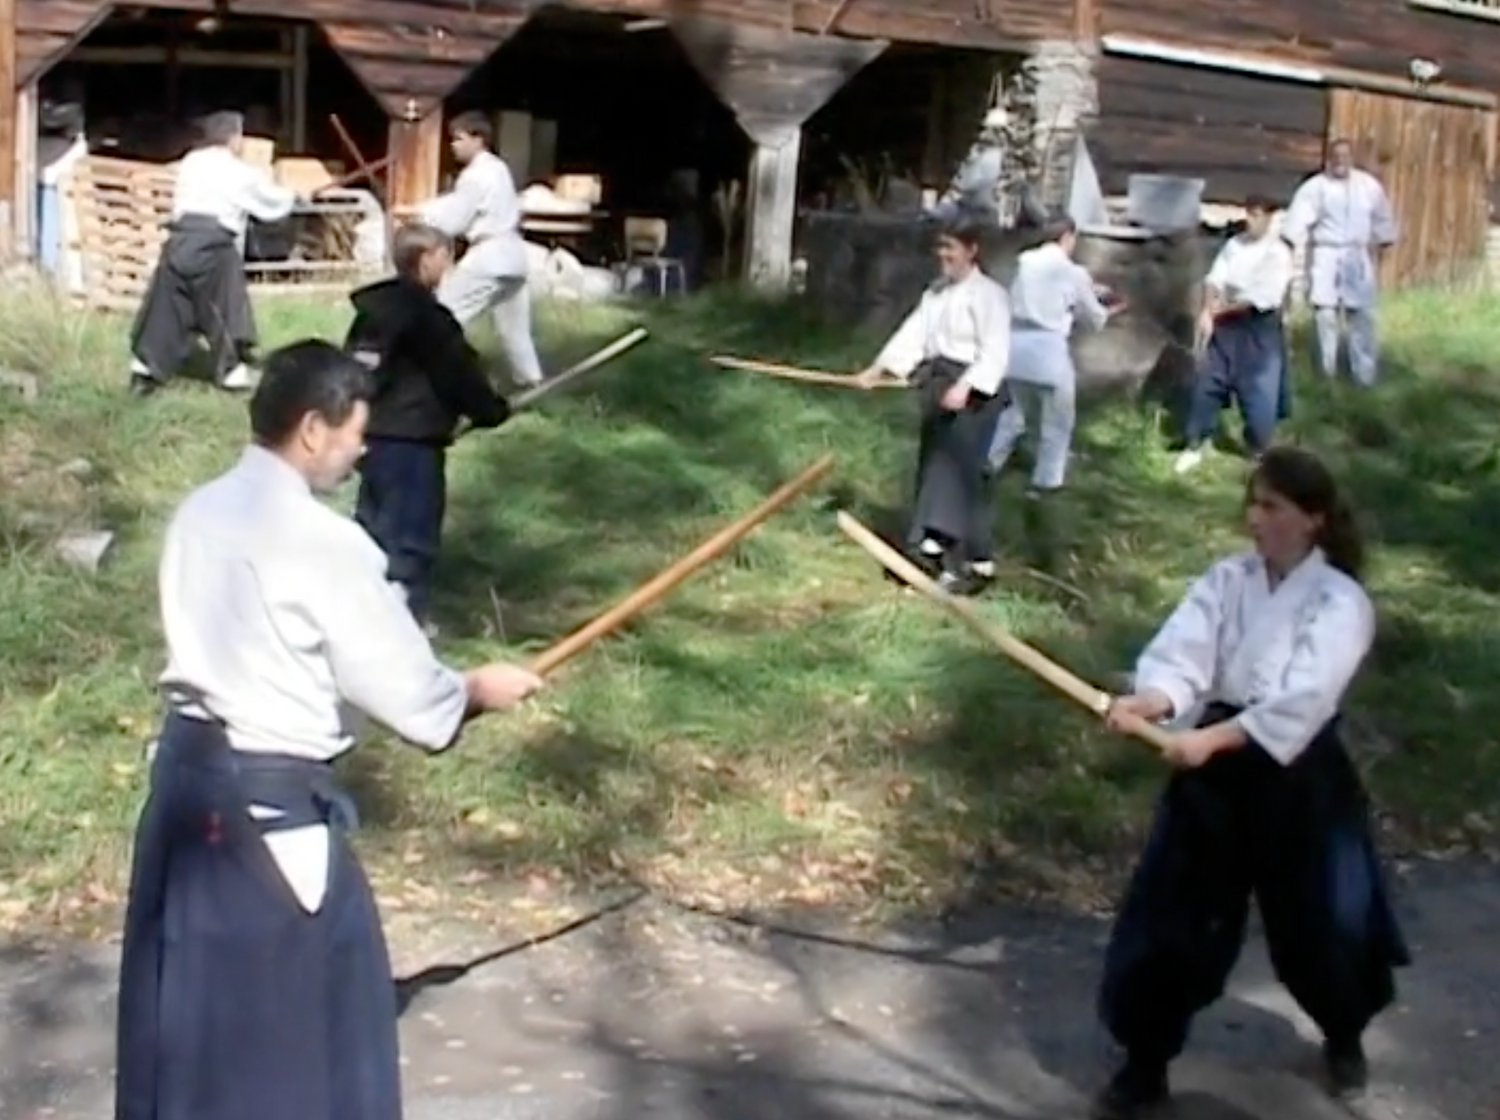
x,y
1245,361
402,499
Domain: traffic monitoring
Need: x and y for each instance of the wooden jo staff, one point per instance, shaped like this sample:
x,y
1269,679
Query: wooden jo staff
x,y
574,372
668,578
1071,686
528,398
793,373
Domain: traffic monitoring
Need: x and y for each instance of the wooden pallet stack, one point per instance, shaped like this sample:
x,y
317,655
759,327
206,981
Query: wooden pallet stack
x,y
115,215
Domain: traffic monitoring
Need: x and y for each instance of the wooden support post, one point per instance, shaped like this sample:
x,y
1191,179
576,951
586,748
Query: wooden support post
x,y
416,152
773,81
771,210
28,176
9,195
301,35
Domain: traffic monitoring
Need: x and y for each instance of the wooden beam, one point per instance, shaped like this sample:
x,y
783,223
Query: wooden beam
x,y
416,153
301,36
28,177
1085,21
771,211
163,56
772,80
9,195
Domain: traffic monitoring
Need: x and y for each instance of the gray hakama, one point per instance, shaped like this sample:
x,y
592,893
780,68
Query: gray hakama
x,y
235,1002
1296,838
198,288
953,503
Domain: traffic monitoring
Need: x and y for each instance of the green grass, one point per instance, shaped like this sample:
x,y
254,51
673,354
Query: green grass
x,y
784,727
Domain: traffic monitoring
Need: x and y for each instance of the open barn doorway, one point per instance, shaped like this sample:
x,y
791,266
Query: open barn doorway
x,y
119,107
620,147
899,129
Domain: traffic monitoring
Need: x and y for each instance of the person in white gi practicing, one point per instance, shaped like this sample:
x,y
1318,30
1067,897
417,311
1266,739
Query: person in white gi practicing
x,y
1343,216
1050,294
484,209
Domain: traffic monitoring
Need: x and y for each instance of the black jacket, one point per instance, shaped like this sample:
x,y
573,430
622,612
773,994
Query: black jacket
x,y
429,377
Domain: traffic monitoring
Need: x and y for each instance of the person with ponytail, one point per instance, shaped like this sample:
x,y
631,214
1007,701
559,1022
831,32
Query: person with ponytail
x,y
1264,802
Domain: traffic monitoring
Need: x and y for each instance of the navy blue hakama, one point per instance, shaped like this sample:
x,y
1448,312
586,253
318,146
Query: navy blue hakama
x,y
1296,838
236,1003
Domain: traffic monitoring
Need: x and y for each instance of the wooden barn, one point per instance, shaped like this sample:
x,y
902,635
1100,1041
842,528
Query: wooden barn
x,y
1245,94
779,99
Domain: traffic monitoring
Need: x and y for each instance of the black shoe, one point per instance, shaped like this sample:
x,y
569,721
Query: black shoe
x,y
1139,1090
1348,1070
930,566
143,386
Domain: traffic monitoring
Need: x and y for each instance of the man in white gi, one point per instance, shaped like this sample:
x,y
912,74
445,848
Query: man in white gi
x,y
484,209
1050,295
199,285
255,979
1343,217
1242,352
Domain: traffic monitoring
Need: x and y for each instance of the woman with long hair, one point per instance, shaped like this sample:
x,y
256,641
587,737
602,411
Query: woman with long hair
x,y
1264,803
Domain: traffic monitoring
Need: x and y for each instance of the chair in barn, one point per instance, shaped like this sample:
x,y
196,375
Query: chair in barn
x,y
645,265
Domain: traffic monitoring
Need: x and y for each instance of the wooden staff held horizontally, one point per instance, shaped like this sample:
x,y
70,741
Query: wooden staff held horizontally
x,y
793,373
1071,686
668,579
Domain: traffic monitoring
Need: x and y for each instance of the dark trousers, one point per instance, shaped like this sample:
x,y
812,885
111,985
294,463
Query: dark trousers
x,y
1245,361
954,500
402,498
1294,838
198,287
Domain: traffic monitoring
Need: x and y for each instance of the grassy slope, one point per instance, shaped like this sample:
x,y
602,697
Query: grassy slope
x,y
785,726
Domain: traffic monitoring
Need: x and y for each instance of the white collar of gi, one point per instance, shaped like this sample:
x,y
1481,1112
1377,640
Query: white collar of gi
x,y
271,469
943,284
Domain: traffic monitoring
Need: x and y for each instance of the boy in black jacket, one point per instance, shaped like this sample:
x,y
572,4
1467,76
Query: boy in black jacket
x,y
429,381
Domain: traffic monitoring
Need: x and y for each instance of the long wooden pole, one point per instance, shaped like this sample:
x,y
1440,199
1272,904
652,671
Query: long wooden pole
x,y
793,373
573,372
666,580
1070,685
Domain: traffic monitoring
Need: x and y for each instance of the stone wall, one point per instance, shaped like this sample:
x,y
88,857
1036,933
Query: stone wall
x,y
869,271
1066,100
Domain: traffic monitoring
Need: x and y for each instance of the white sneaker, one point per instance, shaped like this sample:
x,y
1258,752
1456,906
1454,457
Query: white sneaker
x,y
1188,461
238,379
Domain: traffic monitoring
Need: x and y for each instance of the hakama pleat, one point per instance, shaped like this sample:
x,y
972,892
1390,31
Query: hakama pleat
x,y
198,288
236,1003
1295,838
952,498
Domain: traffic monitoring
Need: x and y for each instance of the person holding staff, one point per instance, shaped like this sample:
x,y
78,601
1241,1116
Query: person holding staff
x,y
255,980
1049,296
1264,802
1241,347
484,209
954,348
428,380
199,285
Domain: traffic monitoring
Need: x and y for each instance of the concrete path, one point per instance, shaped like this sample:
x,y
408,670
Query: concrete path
x,y
654,1012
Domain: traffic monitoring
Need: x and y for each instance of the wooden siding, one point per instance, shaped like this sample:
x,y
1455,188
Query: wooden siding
x,y
1410,145
46,29
1382,36
1242,134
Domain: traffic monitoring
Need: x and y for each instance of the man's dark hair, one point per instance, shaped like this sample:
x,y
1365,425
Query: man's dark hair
x,y
218,129
1059,225
473,124
311,377
413,242
966,231
1261,204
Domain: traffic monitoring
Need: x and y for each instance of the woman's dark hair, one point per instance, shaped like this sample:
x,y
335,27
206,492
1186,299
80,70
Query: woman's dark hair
x,y
311,377
1302,479
965,232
